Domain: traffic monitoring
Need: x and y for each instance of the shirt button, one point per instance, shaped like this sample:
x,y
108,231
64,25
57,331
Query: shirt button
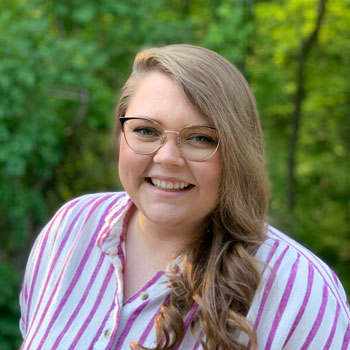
x,y
107,333
173,267
144,295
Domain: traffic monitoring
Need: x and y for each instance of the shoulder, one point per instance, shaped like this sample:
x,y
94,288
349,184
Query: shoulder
x,y
289,261
300,298
79,217
66,244
281,252
90,206
89,203
72,230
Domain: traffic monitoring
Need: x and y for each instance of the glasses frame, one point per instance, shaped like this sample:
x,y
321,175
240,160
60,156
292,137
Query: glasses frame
x,y
164,137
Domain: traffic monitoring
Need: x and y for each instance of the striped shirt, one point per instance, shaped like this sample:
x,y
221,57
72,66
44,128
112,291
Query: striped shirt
x,y
72,293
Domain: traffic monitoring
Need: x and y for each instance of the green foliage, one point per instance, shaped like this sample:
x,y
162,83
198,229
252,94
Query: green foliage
x,y
321,217
10,282
61,63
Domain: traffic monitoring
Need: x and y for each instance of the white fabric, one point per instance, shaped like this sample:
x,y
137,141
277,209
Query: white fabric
x,y
72,295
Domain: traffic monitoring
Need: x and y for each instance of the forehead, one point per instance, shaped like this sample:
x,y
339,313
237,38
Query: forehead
x,y
160,98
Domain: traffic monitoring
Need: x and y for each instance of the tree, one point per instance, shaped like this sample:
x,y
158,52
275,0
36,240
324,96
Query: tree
x,y
61,63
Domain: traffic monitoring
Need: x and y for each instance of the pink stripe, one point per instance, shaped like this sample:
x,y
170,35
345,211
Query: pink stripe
x,y
190,316
58,253
119,283
335,278
42,249
272,251
122,236
24,310
81,302
103,325
283,304
188,320
268,286
25,289
109,221
148,328
318,321
129,324
152,281
79,271
23,303
271,254
331,335
94,308
106,230
117,316
336,293
346,339
97,201
304,303
201,335
150,325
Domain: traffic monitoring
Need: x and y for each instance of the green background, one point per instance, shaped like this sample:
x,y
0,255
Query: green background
x,y
63,62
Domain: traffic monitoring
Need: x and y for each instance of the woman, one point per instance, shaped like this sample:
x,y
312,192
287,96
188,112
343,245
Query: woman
x,y
184,258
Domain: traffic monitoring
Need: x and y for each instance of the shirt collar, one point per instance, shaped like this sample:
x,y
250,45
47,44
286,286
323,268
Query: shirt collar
x,y
112,235
111,239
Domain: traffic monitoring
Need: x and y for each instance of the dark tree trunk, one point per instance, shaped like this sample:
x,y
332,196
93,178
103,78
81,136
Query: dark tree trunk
x,y
299,96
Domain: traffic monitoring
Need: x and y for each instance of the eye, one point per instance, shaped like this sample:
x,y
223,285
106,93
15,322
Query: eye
x,y
146,132
200,139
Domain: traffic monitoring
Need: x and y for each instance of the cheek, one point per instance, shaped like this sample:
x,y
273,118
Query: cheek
x,y
209,176
126,163
214,182
122,152
216,174
215,170
131,164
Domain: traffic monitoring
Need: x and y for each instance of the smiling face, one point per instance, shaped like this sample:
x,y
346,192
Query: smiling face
x,y
168,190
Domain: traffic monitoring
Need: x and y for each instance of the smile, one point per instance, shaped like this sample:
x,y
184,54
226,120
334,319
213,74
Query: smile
x,y
170,186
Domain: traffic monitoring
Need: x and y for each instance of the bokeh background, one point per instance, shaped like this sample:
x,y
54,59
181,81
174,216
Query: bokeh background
x,y
62,63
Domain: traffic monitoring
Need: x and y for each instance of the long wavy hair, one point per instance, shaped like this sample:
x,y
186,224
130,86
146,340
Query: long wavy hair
x,y
221,274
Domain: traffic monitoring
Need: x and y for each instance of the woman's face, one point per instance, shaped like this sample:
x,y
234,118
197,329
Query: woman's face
x,y
144,177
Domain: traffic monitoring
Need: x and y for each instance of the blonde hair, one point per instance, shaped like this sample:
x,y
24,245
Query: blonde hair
x,y
221,274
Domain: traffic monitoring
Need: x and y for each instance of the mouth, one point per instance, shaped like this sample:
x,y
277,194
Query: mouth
x,y
170,186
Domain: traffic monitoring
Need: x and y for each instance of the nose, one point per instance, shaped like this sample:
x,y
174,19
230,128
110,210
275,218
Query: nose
x,y
168,154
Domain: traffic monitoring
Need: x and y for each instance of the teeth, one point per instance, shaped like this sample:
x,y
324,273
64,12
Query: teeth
x,y
167,185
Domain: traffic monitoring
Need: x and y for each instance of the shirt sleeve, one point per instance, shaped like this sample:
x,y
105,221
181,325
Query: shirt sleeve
x,y
316,314
300,304
40,258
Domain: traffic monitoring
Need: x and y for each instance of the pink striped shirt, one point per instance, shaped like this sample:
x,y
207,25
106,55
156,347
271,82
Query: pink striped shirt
x,y
72,294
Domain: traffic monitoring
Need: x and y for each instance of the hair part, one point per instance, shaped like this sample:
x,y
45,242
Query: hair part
x,y
221,274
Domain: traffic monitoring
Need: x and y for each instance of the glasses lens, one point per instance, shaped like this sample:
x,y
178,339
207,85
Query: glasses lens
x,y
142,135
195,142
198,142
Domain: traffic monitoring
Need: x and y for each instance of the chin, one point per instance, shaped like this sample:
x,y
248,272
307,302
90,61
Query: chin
x,y
165,218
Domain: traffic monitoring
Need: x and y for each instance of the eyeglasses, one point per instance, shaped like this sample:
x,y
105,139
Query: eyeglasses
x,y
146,136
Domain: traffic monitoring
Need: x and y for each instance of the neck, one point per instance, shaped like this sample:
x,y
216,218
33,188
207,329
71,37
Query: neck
x,y
159,242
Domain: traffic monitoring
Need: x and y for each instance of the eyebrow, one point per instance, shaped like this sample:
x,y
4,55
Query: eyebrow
x,y
162,125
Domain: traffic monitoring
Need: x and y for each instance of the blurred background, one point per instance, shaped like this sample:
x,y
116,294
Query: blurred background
x,y
63,62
